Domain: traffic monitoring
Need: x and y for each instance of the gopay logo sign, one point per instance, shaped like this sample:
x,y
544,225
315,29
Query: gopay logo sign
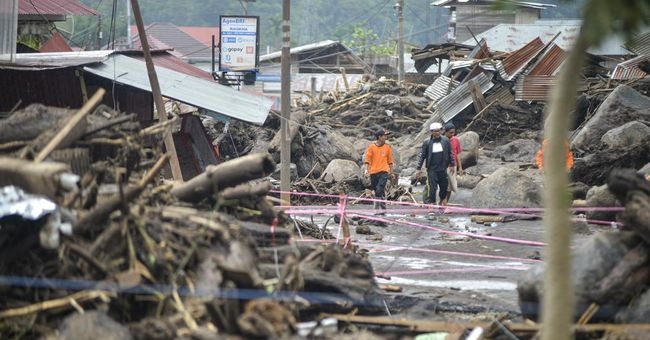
x,y
239,40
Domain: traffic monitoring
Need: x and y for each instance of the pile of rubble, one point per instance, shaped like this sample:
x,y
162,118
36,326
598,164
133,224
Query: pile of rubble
x,y
95,244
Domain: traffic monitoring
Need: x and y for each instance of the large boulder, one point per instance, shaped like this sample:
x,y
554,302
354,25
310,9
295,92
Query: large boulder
x,y
340,169
600,196
507,188
469,141
519,150
626,135
623,105
606,269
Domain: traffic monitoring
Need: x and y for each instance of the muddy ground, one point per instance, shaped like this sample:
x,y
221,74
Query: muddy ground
x,y
436,282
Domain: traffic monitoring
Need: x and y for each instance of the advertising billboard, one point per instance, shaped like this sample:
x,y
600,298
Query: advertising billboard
x,y
238,43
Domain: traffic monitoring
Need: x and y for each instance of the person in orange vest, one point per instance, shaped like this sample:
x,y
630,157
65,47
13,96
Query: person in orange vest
x,y
378,164
539,160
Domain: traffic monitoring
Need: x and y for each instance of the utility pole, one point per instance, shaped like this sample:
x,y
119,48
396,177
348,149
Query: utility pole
x,y
157,97
129,42
399,7
285,73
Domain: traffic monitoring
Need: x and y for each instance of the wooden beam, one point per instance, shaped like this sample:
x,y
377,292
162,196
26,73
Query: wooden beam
x,y
477,96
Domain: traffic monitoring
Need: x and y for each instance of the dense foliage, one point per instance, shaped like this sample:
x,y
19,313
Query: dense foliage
x,y
373,21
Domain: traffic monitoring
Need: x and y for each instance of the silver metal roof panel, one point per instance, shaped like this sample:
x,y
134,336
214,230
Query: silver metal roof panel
x,y
185,88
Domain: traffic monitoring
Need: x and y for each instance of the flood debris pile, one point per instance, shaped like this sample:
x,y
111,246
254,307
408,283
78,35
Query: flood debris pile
x,y
611,270
93,243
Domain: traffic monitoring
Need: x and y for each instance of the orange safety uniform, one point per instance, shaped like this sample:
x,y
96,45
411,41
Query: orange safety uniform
x,y
379,158
539,160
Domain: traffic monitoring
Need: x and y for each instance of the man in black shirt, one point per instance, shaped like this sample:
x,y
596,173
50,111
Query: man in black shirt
x,y
436,156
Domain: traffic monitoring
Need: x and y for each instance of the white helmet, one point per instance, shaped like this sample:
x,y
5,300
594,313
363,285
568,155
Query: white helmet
x,y
435,126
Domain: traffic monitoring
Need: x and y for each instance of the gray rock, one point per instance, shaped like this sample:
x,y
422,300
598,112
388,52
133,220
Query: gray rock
x,y
469,141
92,325
623,105
520,150
626,135
578,190
340,169
507,188
601,197
468,181
592,263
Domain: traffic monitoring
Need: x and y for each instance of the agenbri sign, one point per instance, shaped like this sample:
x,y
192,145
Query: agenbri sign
x,y
239,43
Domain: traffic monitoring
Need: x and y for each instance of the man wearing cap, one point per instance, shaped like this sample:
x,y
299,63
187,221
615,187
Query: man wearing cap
x,y
436,157
378,165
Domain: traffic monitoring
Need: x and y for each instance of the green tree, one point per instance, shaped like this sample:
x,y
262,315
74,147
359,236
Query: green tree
x,y
365,41
600,19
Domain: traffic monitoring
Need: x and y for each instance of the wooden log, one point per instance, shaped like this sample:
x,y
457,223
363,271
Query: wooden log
x,y
73,129
297,119
487,218
35,178
247,190
225,175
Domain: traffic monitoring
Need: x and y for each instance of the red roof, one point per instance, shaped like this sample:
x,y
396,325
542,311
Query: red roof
x,y
166,60
56,44
202,34
54,7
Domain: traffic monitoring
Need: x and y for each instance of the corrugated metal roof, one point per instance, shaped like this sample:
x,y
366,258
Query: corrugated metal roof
x,y
56,43
550,62
303,48
480,51
183,44
517,61
511,37
440,87
184,88
629,69
58,59
460,98
54,7
171,62
534,87
640,44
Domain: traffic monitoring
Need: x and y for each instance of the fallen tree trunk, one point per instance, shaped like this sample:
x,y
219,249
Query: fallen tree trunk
x,y
247,190
225,175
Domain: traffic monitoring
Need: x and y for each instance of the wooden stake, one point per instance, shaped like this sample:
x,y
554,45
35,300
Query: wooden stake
x,y
345,79
155,89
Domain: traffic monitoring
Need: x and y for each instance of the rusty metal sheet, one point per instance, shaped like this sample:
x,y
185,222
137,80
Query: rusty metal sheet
x,y
534,87
517,61
630,69
54,7
550,62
